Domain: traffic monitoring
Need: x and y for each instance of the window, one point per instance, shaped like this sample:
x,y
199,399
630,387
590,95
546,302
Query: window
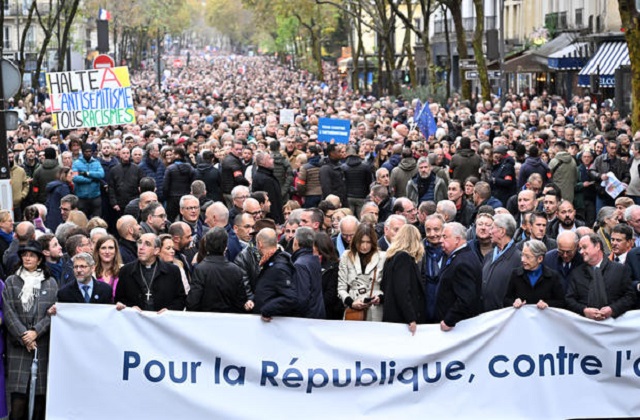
x,y
7,38
579,20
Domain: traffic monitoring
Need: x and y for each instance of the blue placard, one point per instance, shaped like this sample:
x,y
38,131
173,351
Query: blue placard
x,y
333,129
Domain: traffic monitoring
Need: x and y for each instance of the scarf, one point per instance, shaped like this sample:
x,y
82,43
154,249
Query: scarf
x,y
340,245
6,236
32,282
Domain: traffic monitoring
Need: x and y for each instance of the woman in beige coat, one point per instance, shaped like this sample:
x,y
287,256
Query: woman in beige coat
x,y
359,267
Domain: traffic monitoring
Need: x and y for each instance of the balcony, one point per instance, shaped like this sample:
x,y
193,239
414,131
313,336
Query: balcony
x,y
468,23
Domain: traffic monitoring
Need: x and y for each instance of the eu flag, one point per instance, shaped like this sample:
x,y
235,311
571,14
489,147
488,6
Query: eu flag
x,y
426,123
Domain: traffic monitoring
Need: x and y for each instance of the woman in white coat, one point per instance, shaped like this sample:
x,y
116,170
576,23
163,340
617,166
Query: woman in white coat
x,y
360,273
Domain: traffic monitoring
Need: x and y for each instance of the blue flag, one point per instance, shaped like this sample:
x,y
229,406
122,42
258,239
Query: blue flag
x,y
416,112
426,123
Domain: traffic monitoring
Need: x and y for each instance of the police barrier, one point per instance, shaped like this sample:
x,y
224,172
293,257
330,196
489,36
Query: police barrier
x,y
506,364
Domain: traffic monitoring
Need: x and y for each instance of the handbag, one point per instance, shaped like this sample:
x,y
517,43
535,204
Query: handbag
x,y
351,314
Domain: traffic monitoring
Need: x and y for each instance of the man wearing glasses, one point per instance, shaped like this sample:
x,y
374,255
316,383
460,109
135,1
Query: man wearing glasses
x,y
190,214
565,258
149,283
86,289
153,218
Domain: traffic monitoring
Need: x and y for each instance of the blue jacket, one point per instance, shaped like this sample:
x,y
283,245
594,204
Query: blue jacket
x,y
275,295
310,282
154,169
88,186
55,191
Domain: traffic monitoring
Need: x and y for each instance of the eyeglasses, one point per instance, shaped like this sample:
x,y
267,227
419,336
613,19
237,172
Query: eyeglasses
x,y
254,213
563,252
192,208
80,267
241,197
162,216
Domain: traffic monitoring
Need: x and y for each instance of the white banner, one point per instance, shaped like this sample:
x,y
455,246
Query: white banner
x,y
507,364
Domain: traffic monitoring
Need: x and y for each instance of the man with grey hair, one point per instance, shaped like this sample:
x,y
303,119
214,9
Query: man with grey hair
x,y
190,214
348,226
217,214
447,209
391,226
632,216
265,180
499,263
599,289
425,185
86,289
308,279
460,280
275,294
239,194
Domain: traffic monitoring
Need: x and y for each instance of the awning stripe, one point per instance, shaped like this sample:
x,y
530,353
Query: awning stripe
x,y
609,57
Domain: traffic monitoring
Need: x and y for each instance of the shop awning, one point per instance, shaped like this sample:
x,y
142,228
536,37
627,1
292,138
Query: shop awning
x,y
571,57
537,61
609,57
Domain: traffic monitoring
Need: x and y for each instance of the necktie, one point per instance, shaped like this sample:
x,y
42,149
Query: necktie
x,y
616,259
87,297
565,270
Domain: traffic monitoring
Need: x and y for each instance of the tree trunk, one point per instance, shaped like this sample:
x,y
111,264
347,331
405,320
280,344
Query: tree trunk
x,y
447,67
461,41
408,48
477,50
355,57
66,31
631,25
23,41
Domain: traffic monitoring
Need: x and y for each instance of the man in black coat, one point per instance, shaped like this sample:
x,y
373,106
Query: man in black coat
x,y
332,178
358,176
216,284
232,171
310,278
124,179
565,258
129,232
177,182
264,180
460,282
210,175
149,283
274,294
599,288
86,289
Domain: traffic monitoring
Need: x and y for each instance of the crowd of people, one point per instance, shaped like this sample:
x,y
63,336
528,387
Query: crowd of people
x,y
209,203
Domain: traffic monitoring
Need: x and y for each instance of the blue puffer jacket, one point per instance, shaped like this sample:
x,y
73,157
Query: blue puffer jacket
x,y
87,186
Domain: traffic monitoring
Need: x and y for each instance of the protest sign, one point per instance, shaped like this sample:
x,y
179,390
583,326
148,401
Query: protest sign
x,y
333,129
90,98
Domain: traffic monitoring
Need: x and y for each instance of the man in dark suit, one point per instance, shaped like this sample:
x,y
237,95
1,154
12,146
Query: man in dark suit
x,y
599,288
149,283
86,289
565,258
391,226
460,282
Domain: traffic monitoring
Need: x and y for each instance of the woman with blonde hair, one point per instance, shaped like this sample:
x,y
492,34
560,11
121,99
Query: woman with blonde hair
x,y
404,294
360,273
108,261
78,218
